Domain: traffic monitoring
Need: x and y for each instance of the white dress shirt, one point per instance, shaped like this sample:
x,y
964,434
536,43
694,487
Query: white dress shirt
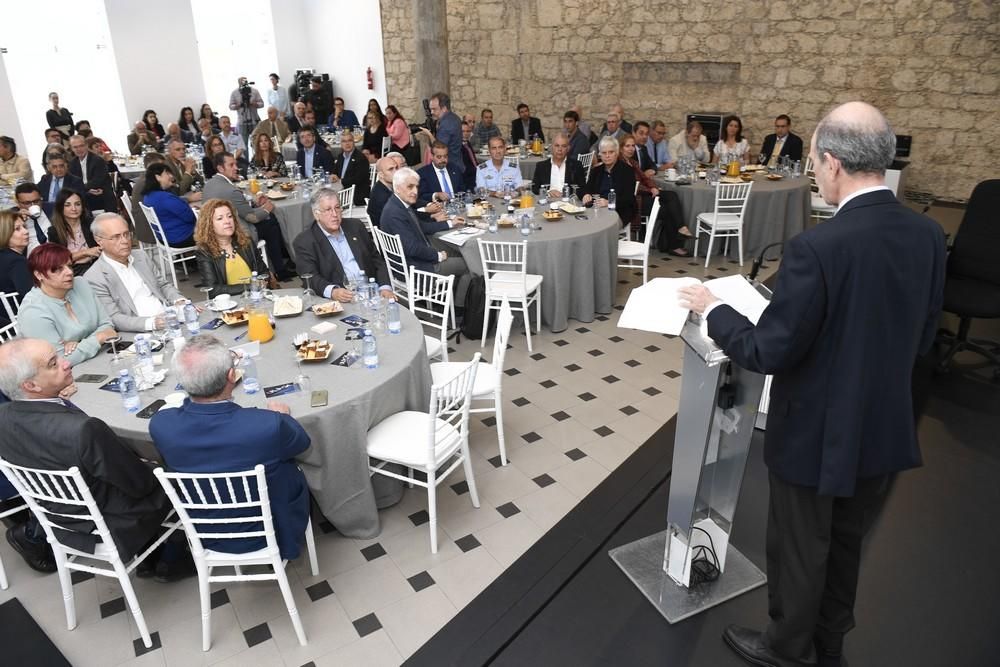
x,y
83,168
557,177
146,304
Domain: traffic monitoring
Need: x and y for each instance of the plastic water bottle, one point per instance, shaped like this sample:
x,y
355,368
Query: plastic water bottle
x,y
525,225
612,198
369,350
251,383
373,295
491,222
143,351
255,293
361,293
173,324
191,318
128,390
392,317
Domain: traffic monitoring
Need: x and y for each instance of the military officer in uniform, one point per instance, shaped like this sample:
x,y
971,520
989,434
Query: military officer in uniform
x,y
496,172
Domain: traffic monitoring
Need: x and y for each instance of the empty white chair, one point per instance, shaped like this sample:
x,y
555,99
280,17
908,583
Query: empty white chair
x,y
444,431
365,218
168,255
8,512
48,494
505,271
489,376
199,499
386,145
347,201
11,304
586,159
395,263
727,218
431,301
633,254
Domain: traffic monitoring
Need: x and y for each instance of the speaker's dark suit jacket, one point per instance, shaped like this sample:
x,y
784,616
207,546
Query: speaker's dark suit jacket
x,y
856,299
543,174
225,437
70,182
534,127
792,147
315,255
52,436
97,178
429,183
357,174
398,218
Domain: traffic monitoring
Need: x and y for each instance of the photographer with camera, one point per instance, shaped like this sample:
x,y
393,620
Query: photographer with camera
x,y
246,100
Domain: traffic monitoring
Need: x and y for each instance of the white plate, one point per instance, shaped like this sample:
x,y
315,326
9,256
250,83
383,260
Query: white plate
x,y
276,194
222,309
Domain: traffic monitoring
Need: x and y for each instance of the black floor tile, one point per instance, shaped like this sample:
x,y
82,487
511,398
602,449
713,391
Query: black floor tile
x,y
560,342
490,421
420,518
595,352
628,410
572,368
616,339
373,551
366,625
531,437
559,416
632,363
326,527
112,607
672,374
219,598
651,348
520,401
582,329
495,461
611,379
420,581
538,356
543,480
575,454
467,543
78,577
586,396
140,648
319,591
652,391
257,634
548,384
507,510
460,487
512,372
603,431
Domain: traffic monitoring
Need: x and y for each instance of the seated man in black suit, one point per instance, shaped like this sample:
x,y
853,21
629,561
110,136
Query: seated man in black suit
x,y
93,171
782,142
439,181
351,168
311,156
382,190
399,217
57,178
558,171
336,250
43,430
611,174
525,126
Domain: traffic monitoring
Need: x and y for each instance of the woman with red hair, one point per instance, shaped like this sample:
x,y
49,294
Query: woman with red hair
x,y
62,309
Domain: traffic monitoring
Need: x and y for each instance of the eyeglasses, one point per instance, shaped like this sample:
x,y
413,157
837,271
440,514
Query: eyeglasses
x,y
124,236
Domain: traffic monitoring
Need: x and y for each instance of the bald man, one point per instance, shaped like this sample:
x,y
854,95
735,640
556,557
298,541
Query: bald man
x,y
384,168
856,300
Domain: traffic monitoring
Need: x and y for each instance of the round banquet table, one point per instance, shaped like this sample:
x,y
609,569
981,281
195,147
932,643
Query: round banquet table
x,y
336,465
577,258
776,210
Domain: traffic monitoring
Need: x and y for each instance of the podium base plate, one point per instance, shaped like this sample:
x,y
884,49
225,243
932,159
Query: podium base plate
x,y
642,562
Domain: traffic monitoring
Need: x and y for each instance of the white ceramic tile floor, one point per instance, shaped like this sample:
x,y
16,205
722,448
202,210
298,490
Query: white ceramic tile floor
x,y
379,611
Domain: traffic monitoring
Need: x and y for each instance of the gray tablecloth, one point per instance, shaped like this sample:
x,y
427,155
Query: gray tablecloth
x,y
577,259
294,214
336,465
776,210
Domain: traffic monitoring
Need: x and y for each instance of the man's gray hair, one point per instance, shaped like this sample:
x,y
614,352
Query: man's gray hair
x,y
97,226
17,368
402,175
202,365
608,143
865,145
321,195
395,154
175,141
561,133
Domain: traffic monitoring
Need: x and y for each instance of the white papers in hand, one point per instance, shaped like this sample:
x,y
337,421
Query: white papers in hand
x,y
737,292
656,307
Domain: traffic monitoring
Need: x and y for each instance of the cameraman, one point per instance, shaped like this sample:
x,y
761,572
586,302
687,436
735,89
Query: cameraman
x,y
246,100
448,130
320,98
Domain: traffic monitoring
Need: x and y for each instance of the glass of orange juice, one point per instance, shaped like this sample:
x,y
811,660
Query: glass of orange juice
x,y
254,186
259,326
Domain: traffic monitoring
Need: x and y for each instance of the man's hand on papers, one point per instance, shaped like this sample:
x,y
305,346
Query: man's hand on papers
x,y
696,298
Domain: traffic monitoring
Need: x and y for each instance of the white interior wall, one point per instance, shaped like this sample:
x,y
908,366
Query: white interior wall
x,y
9,123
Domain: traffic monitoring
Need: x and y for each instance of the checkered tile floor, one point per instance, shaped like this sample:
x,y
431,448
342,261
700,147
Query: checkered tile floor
x,y
574,410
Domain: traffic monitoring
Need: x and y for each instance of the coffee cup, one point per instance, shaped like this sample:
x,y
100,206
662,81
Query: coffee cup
x,y
223,301
672,174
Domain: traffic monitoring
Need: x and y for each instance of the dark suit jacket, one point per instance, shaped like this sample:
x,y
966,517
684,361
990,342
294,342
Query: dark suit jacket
x,y
622,180
469,163
97,178
315,255
429,183
356,175
856,299
321,158
70,182
14,277
225,437
376,202
50,436
643,159
543,172
792,147
517,129
398,218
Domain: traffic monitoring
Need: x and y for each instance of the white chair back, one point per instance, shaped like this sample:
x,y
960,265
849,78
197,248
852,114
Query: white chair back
x,y
126,202
163,249
586,159
449,414
347,201
504,264
431,301
8,332
731,199
372,173
386,145
365,218
395,263
11,304
504,322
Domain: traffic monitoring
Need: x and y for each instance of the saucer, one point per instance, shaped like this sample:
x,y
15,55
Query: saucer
x,y
221,309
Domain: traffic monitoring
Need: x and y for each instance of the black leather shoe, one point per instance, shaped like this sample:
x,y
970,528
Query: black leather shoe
x,y
38,556
180,569
749,645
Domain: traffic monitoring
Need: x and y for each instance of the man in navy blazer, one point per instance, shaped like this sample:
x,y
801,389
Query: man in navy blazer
x,y
56,178
439,180
857,299
210,433
311,156
351,168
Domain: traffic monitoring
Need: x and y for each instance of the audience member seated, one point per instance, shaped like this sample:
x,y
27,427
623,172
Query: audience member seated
x,y
619,111
83,129
579,142
690,142
175,214
210,433
258,216
612,128
647,188
71,229
175,133
185,171
143,232
298,118
351,168
559,170
584,125
643,159
731,144
226,254
371,145
341,118
124,281
209,115
152,124
439,181
57,178
525,126
266,158
12,165
382,190
213,147
397,129
93,170
43,430
485,130
782,142
337,250
374,106
399,217
205,131
611,173
62,308
469,162
53,140
14,274
311,122
30,207
273,126
188,123
231,138
657,148
496,172
140,138
312,156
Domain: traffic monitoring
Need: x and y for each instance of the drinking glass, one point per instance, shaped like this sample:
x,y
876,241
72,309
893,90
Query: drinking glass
x,y
246,289
206,290
307,293
301,378
352,286
115,359
543,194
574,199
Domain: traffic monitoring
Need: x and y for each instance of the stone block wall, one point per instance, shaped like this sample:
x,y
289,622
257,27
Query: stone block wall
x,y
932,66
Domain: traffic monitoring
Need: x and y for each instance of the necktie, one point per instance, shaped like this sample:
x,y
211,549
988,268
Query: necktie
x,y
56,187
343,167
413,217
776,152
444,182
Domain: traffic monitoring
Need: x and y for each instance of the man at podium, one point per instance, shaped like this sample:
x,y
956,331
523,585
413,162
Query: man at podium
x,y
857,299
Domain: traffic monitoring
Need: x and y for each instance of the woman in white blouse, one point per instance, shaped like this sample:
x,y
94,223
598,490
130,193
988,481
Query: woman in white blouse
x,y
731,142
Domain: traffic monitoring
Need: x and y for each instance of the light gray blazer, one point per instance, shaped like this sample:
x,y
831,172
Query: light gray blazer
x,y
115,299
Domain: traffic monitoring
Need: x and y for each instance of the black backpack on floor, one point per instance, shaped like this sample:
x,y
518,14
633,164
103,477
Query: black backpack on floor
x,y
475,306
